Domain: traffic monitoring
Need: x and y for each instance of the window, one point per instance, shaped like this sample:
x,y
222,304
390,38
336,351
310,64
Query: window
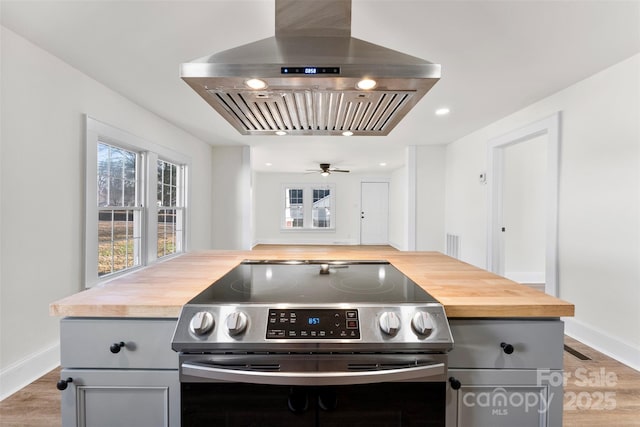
x,y
294,208
308,207
321,211
119,221
135,202
170,212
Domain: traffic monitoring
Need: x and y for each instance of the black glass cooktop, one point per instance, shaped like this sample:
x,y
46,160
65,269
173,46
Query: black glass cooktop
x,y
313,282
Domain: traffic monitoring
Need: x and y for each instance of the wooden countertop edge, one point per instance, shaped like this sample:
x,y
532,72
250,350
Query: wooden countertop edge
x,y
452,311
498,306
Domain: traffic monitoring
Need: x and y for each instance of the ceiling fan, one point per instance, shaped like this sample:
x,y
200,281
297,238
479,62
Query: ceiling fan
x,y
326,169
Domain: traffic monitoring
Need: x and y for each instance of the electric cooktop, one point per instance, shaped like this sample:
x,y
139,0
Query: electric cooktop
x,y
314,282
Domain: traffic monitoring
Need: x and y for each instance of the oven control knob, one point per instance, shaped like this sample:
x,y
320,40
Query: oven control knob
x,y
236,323
422,323
389,323
201,323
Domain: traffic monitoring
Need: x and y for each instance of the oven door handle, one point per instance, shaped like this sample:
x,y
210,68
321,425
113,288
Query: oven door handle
x,y
203,371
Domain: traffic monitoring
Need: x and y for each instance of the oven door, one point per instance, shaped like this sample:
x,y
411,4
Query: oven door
x,y
313,390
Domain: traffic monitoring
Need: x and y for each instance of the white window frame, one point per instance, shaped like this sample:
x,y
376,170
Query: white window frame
x,y
307,200
149,153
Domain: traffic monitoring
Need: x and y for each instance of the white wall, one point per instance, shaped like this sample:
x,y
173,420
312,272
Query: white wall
x,y
397,209
599,227
430,196
267,209
231,195
43,104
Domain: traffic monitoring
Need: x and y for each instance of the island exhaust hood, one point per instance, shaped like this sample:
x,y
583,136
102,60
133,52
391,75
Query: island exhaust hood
x,y
312,77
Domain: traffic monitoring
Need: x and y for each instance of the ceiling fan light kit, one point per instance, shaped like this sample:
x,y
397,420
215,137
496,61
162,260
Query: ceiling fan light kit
x,y
326,169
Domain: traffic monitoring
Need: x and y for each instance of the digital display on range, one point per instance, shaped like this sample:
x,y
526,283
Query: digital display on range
x,y
306,323
310,70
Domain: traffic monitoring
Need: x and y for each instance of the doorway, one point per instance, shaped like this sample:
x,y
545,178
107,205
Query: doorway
x,y
523,212
501,248
374,213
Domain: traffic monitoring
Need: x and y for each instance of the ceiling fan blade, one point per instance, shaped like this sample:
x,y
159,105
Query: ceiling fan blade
x,y
339,170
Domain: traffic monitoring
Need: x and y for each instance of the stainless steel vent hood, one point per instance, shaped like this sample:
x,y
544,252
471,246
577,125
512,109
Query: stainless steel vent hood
x,y
310,72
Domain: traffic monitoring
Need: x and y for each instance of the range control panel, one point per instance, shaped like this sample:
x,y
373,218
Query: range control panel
x,y
313,324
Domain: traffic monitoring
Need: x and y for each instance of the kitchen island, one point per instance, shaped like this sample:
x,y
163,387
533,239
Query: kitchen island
x,y
115,338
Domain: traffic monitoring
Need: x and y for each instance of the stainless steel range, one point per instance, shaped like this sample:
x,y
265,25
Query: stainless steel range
x,y
313,343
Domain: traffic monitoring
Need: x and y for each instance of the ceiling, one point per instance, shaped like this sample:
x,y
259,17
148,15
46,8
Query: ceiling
x,y
497,57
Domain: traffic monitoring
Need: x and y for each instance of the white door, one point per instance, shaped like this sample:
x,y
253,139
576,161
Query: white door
x,y
374,213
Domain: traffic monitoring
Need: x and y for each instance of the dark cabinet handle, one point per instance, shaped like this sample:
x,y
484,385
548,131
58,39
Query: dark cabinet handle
x,y
507,348
62,384
455,384
116,346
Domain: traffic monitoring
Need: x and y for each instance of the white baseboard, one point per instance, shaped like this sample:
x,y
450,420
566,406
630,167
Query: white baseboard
x,y
530,277
303,241
25,371
603,342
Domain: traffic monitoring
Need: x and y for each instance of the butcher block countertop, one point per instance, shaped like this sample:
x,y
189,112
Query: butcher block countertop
x,y
162,289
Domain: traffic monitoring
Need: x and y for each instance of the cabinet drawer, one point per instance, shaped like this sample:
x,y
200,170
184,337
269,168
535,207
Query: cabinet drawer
x,y
535,344
86,343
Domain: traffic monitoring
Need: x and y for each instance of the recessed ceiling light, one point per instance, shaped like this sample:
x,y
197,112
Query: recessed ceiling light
x,y
256,84
280,132
382,164
442,111
347,133
268,164
366,84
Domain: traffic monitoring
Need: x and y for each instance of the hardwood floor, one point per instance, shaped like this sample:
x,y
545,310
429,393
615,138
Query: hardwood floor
x,y
599,392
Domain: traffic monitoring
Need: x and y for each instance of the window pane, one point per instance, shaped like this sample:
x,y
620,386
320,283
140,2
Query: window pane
x,y
167,219
103,190
116,166
321,210
174,196
166,196
174,175
167,174
105,219
115,192
294,208
118,242
129,193
117,181
105,258
129,165
103,159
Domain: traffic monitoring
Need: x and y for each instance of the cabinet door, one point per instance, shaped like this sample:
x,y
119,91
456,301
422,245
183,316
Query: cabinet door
x,y
505,398
108,398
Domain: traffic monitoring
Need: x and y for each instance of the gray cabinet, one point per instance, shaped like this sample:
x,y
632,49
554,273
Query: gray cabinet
x,y
123,370
505,373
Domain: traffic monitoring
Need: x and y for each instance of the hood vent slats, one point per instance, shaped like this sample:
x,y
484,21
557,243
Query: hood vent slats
x,y
313,111
311,69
